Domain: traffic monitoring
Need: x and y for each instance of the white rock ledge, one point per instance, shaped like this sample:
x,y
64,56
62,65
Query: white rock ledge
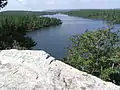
x,y
37,70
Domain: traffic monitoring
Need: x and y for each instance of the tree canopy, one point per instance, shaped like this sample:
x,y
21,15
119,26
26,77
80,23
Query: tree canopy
x,y
110,15
3,3
13,29
97,53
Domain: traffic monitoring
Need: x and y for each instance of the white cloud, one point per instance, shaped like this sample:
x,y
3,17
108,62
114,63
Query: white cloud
x,y
60,4
85,0
50,2
22,1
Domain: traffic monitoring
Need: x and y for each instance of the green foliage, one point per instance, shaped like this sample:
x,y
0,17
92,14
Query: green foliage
x,y
111,15
97,53
38,13
14,28
3,3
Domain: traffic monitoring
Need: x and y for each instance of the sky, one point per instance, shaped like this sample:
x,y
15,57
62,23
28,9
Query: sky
x,y
41,5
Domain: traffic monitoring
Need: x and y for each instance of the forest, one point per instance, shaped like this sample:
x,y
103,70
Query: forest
x,y
97,52
38,13
110,15
13,28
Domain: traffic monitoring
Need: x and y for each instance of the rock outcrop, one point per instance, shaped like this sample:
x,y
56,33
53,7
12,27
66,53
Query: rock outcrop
x,y
37,70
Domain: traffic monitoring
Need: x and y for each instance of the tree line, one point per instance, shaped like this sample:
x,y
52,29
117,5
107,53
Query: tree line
x,y
110,15
97,53
38,13
13,29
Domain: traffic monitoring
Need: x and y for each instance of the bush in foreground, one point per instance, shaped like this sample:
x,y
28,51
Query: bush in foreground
x,y
97,53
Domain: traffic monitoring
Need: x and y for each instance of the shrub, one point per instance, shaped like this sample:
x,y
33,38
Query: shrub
x,y
97,53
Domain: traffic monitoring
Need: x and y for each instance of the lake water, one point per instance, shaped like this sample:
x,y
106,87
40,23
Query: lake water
x,y
55,40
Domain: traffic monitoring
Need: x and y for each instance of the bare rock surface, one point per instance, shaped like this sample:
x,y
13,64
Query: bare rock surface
x,y
37,70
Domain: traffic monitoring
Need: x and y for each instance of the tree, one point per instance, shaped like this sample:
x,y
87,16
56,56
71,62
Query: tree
x,y
97,53
3,3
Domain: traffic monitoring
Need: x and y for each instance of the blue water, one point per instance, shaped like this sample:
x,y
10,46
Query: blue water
x,y
55,40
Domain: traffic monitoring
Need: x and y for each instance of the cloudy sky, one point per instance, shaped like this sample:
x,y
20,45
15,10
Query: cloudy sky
x,y
40,5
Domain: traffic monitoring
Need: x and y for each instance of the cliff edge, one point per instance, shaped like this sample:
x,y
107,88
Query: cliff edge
x,y
37,70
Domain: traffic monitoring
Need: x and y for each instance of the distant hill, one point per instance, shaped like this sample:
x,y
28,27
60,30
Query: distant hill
x,y
60,10
65,10
26,12
50,12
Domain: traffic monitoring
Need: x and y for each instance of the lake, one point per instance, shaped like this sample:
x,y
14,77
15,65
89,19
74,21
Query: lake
x,y
55,40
